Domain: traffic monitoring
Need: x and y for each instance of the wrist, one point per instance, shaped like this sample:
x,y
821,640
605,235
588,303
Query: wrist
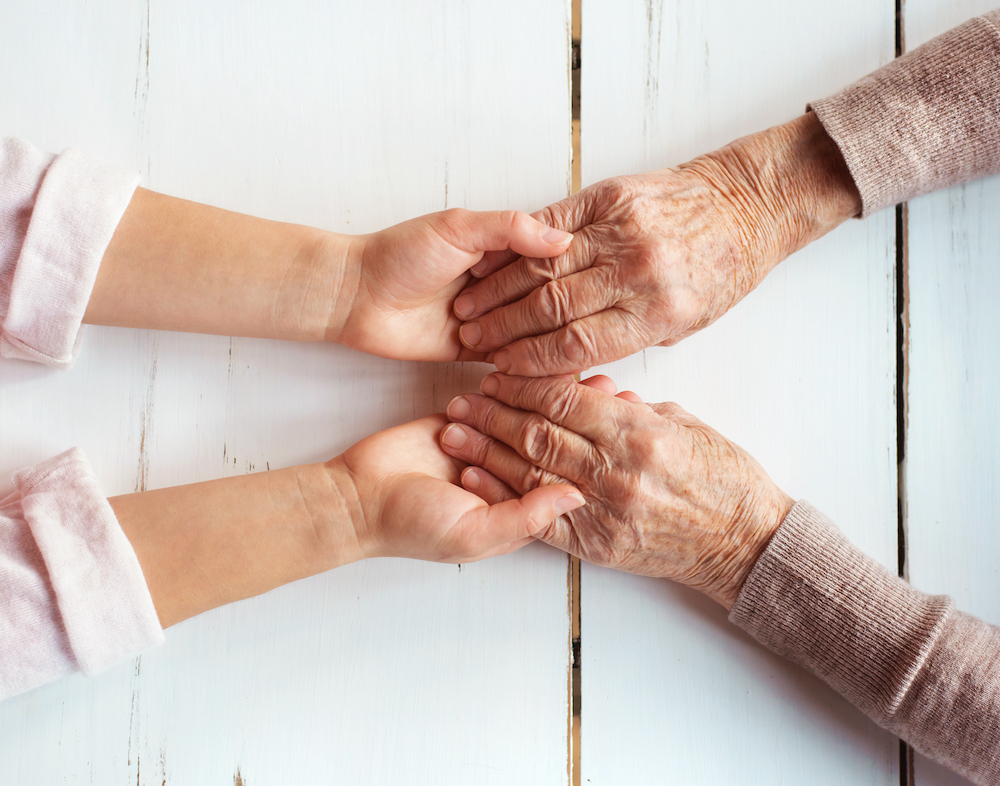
x,y
342,502
786,187
325,286
750,541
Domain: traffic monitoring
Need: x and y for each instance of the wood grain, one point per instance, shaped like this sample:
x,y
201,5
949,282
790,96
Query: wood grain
x,y
350,117
801,374
952,464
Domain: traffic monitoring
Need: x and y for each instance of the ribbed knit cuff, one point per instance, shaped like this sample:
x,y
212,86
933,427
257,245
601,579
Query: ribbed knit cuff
x,y
77,210
928,120
814,598
102,596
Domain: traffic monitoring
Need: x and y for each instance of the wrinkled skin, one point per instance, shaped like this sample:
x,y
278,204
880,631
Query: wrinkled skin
x,y
658,256
655,258
406,502
667,495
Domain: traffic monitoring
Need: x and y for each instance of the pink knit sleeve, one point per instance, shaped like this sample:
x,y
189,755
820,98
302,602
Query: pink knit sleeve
x,y
72,593
928,120
57,216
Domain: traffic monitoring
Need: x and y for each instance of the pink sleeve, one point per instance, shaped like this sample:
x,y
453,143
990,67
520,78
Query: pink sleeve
x,y
72,593
57,216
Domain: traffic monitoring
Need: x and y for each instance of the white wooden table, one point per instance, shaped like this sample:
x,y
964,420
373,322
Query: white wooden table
x,y
353,116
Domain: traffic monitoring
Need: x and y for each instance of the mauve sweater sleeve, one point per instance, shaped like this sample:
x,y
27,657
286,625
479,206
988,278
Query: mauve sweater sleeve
x,y
908,660
928,120
57,216
72,593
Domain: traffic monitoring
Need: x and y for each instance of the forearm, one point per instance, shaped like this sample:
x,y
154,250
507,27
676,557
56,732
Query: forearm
x,y
208,544
179,265
908,660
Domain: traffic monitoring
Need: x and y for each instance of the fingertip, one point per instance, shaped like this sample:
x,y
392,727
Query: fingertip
x,y
471,479
503,360
602,383
479,269
465,305
556,237
569,502
629,395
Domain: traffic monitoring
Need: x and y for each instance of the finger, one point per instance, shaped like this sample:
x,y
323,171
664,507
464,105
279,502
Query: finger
x,y
544,309
492,458
498,230
517,519
486,486
569,215
591,341
580,409
628,395
523,276
605,385
536,439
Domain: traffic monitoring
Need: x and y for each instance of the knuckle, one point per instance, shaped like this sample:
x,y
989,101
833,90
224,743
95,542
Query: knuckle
x,y
540,270
532,479
576,344
559,401
535,438
553,303
512,219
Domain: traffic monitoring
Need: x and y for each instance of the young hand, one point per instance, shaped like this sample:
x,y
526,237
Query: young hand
x,y
402,282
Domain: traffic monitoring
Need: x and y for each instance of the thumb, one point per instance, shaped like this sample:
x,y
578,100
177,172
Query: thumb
x,y
499,230
521,518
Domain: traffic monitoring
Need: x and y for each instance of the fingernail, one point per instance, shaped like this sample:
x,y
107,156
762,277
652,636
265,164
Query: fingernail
x,y
556,236
459,408
465,305
502,361
568,503
471,480
490,386
454,437
471,334
479,268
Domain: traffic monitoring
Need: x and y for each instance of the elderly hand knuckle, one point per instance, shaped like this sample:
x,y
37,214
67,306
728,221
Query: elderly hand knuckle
x,y
577,344
533,478
554,302
535,438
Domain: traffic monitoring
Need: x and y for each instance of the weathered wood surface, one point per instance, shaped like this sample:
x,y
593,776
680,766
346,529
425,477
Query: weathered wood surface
x,y
952,461
802,374
350,117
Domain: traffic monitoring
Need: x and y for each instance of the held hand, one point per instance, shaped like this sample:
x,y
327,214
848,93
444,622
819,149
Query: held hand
x,y
405,280
659,256
667,496
405,502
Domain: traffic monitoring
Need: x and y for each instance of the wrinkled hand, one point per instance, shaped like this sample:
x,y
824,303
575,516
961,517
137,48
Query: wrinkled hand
x,y
406,502
667,496
402,281
659,256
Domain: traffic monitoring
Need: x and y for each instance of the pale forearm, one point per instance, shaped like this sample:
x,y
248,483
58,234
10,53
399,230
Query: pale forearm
x,y
179,265
208,544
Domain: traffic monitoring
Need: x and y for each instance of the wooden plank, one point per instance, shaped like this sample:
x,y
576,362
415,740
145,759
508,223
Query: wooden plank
x,y
349,117
801,374
953,420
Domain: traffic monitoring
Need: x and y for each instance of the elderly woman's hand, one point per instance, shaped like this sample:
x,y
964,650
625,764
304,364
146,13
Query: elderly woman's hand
x,y
658,256
404,499
666,495
400,283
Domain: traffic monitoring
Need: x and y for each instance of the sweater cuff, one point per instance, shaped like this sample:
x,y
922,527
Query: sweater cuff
x,y
101,593
817,600
928,120
78,207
